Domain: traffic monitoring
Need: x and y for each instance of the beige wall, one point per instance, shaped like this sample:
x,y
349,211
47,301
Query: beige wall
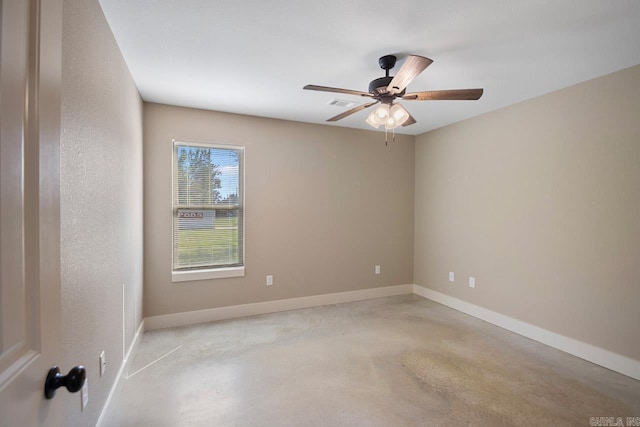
x,y
323,206
540,202
101,204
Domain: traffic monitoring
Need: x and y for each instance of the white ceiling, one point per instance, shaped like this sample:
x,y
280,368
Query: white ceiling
x,y
254,56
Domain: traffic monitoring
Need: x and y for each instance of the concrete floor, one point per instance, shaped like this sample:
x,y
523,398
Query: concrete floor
x,y
397,361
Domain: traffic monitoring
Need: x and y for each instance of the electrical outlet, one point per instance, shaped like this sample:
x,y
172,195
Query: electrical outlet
x,y
377,269
269,280
451,276
103,363
472,282
84,395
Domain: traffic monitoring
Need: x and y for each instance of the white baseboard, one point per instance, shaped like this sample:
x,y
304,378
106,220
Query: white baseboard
x,y
615,362
234,311
123,368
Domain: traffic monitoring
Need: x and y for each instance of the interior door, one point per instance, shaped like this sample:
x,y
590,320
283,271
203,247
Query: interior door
x,y
30,53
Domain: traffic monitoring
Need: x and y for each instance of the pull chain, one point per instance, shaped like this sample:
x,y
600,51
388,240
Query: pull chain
x,y
386,136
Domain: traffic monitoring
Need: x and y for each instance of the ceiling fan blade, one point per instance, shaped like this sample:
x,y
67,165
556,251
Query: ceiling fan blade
x,y
336,90
351,111
409,121
454,94
412,66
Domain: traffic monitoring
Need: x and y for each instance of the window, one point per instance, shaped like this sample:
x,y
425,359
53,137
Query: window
x,y
208,212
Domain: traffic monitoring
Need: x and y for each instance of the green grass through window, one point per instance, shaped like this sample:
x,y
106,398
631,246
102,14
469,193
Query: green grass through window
x,y
208,247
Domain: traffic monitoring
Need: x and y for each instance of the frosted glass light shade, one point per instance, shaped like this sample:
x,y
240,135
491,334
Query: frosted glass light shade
x,y
382,112
372,120
390,123
399,114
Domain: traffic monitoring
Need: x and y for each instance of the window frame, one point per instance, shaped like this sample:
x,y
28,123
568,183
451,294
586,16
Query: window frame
x,y
207,273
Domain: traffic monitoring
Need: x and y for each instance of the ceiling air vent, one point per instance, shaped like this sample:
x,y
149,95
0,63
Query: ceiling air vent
x,y
342,103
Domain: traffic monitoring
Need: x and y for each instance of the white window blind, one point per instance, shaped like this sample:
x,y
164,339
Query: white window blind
x,y
208,213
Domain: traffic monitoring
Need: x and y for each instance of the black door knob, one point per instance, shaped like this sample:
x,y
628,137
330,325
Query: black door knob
x,y
73,381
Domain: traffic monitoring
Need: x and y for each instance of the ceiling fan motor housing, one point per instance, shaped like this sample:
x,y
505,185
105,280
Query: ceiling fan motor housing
x,y
379,86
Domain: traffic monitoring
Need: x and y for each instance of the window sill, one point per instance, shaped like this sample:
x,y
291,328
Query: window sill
x,y
218,273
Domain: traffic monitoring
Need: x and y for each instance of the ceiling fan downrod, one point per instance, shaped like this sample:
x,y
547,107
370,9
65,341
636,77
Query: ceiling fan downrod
x,y
387,62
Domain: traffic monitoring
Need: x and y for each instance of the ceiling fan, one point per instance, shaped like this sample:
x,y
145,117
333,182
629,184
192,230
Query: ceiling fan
x,y
385,90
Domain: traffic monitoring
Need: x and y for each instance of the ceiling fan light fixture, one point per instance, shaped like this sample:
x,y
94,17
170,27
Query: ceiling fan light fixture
x,y
390,116
371,120
379,116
